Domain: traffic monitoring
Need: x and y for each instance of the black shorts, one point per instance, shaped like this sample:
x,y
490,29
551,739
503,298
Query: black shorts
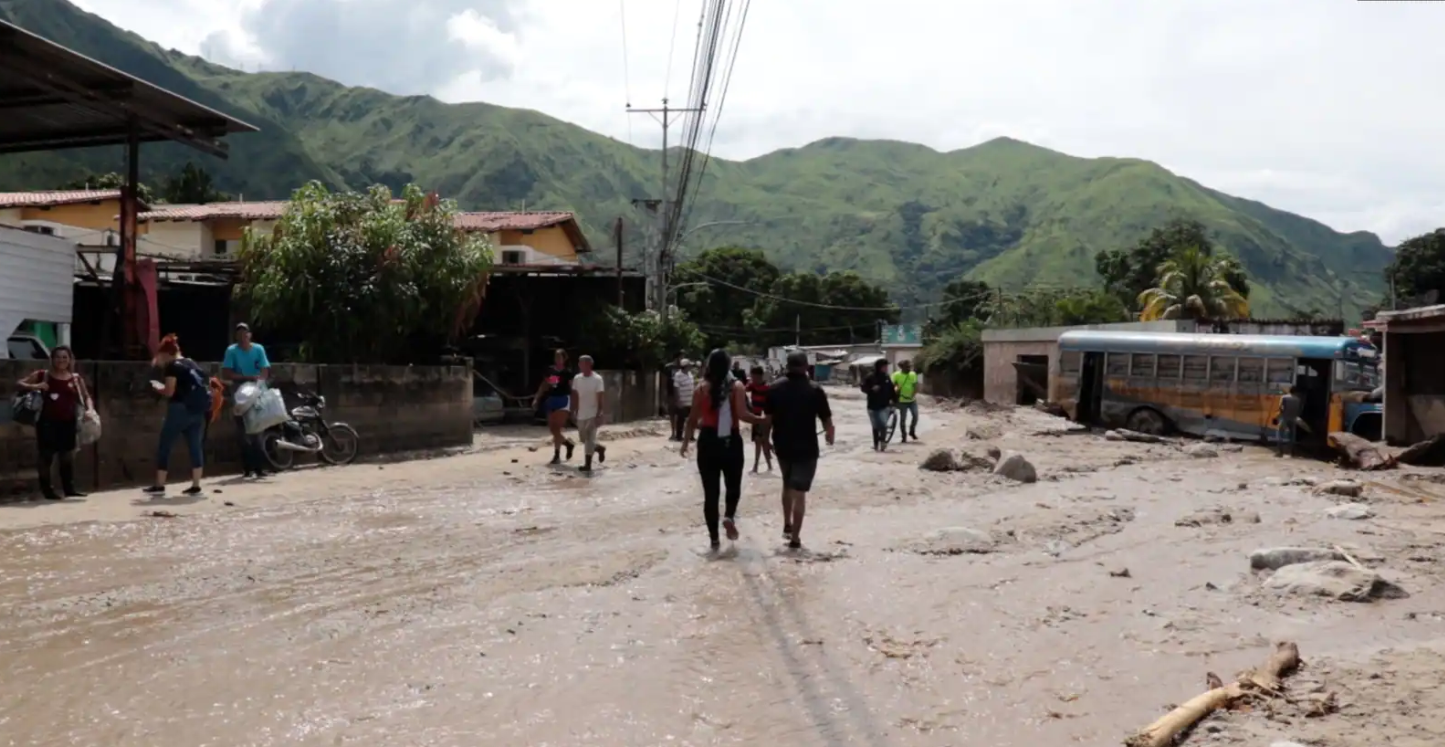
x,y
798,473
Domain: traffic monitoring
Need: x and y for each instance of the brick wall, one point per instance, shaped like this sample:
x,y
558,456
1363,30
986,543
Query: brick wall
x,y
393,408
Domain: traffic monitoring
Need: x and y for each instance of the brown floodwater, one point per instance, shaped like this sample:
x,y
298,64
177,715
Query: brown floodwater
x,y
517,604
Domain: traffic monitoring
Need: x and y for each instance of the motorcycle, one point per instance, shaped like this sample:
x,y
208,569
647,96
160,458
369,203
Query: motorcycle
x,y
308,432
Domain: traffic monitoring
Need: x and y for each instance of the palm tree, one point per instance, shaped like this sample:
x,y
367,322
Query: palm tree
x,y
1193,285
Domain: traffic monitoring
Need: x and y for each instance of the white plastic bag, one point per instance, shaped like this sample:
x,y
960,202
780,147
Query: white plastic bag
x,y
267,410
89,428
245,396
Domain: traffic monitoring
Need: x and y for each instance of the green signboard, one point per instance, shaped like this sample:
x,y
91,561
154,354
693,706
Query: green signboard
x,y
903,334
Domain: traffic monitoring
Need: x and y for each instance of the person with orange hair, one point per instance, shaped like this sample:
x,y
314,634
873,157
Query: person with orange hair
x,y
191,404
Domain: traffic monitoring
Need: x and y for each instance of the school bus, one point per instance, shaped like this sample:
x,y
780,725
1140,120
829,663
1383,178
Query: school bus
x,y
1225,386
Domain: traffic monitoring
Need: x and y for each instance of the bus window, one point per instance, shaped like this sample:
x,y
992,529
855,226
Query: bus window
x,y
1143,366
1169,367
1070,361
1196,367
1117,364
1221,369
1280,371
1251,370
1354,376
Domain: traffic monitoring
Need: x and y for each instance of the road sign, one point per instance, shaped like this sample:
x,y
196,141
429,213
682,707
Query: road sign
x,y
902,334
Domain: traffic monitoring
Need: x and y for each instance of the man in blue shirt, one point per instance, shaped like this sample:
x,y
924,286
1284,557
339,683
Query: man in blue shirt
x,y
246,361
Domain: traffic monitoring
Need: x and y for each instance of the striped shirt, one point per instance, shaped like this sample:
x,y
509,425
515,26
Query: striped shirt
x,y
682,382
757,396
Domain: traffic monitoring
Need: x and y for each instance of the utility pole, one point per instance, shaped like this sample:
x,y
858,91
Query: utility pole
x,y
798,330
617,237
657,263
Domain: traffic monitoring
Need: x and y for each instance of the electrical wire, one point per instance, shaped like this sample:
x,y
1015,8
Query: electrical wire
x,y
717,113
671,46
626,71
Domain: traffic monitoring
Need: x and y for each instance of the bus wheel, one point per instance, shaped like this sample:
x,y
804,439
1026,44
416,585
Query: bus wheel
x,y
1147,420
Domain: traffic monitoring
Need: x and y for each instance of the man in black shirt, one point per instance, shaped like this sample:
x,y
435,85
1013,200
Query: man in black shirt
x,y
881,396
794,406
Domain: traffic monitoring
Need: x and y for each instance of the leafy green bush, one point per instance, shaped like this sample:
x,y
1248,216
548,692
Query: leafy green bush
x,y
363,277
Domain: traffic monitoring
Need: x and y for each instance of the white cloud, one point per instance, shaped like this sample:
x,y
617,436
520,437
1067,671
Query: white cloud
x,y
1322,108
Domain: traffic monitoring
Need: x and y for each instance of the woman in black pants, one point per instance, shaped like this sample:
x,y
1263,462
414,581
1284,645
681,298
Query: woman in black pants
x,y
719,407
64,399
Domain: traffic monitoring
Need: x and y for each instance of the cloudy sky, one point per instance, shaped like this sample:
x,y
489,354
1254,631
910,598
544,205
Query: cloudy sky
x,y
1321,107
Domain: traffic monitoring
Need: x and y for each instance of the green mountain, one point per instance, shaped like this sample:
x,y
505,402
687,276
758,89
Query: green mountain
x,y
1006,212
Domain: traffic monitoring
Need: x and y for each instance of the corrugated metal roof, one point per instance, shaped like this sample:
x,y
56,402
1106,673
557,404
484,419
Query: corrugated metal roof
x,y
511,221
267,210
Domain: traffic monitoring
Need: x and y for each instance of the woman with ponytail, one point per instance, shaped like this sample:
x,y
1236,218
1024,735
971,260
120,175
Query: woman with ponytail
x,y
190,406
718,407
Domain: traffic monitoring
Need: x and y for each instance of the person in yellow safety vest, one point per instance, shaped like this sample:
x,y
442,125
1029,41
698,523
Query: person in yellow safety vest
x,y
905,380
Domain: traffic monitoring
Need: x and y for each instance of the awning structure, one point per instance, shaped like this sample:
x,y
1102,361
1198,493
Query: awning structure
x,y
52,98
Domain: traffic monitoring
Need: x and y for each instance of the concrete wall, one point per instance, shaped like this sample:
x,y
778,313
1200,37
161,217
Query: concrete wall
x,y
393,408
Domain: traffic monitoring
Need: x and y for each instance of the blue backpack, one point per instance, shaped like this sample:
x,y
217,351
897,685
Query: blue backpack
x,y
198,397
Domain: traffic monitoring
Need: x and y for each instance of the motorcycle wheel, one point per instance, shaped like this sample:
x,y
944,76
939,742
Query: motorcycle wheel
x,y
280,459
340,445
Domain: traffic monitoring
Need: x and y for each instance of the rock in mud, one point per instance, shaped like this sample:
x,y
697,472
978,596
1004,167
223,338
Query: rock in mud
x,y
1333,579
1207,517
1135,436
1275,558
985,432
1351,511
1347,488
1202,451
993,453
941,460
1015,467
968,462
954,541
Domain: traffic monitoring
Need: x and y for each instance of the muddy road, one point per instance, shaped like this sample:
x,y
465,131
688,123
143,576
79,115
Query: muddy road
x,y
488,599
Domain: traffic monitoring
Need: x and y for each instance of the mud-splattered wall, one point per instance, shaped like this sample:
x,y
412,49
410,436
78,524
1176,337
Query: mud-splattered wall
x,y
393,408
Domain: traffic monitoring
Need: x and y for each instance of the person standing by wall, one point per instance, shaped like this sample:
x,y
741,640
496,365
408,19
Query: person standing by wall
x,y
588,410
189,393
682,387
795,405
64,399
905,379
246,361
554,397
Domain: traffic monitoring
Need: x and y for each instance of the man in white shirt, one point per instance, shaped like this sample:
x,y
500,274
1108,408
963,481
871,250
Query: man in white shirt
x,y
588,411
682,387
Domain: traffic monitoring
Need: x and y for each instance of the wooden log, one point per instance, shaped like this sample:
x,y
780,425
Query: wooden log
x,y
1358,452
1427,453
1266,679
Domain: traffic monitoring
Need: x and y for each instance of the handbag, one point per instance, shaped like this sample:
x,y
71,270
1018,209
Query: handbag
x,y
25,407
89,430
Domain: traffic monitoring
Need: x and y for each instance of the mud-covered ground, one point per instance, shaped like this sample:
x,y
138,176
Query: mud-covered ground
x,y
488,599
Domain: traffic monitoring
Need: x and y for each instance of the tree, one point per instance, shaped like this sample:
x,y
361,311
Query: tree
x,y
111,180
1193,285
361,278
192,185
643,340
962,300
820,309
718,287
1418,267
956,349
1091,306
1127,273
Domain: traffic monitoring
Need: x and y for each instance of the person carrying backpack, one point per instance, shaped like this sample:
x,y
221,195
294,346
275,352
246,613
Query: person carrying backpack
x,y
190,406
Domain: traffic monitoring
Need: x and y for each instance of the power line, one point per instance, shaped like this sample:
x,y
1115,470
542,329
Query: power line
x,y
626,71
717,111
671,45
991,293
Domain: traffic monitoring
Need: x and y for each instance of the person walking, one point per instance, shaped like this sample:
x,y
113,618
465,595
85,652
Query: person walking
x,y
669,393
683,387
882,395
190,397
554,397
757,390
64,399
1287,421
246,361
588,410
795,405
718,408
905,380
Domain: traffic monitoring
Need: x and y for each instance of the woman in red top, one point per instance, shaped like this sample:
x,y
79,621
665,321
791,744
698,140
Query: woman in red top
x,y
719,407
65,399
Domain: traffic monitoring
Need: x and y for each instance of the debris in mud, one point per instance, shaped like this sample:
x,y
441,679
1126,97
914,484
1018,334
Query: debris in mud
x,y
1267,680
1014,466
953,541
1135,436
1358,453
1121,573
1347,488
1206,517
1435,477
162,514
984,432
1202,451
993,453
1427,453
1274,558
1350,511
1335,579
940,460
